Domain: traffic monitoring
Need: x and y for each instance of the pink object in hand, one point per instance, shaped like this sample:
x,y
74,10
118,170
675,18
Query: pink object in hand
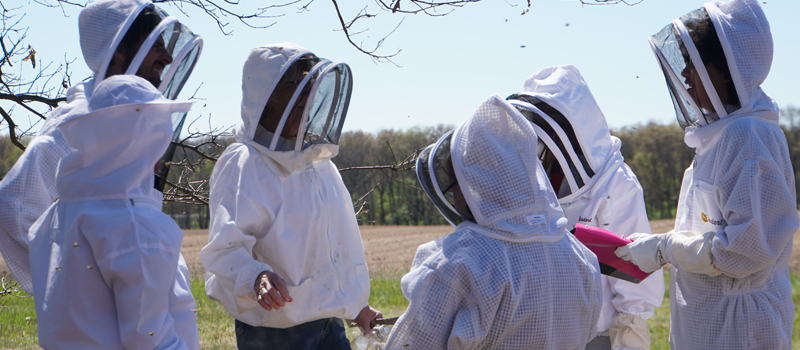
x,y
603,243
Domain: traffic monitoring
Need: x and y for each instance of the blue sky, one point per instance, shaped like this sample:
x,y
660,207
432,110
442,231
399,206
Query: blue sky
x,y
449,65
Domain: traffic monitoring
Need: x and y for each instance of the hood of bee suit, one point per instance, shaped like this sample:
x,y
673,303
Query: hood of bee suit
x,y
116,137
263,69
744,36
569,122
495,161
103,25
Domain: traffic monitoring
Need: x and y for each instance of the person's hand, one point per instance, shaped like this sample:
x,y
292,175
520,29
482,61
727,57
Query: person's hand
x,y
365,318
271,291
646,252
638,235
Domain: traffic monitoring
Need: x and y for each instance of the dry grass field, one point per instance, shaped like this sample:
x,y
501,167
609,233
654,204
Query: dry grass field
x,y
388,248
391,248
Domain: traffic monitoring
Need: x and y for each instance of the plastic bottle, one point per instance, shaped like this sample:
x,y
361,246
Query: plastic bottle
x,y
374,340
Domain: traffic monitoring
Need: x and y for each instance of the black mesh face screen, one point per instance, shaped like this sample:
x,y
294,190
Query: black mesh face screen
x,y
562,123
554,167
438,179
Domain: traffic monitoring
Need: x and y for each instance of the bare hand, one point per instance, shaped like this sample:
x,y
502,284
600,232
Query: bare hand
x,y
271,291
365,318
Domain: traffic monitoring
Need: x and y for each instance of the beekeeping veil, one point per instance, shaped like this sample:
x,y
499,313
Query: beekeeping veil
x,y
714,59
492,157
574,141
437,176
307,105
111,25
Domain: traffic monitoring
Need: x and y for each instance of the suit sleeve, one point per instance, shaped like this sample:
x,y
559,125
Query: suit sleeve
x,y
758,206
628,215
26,191
228,257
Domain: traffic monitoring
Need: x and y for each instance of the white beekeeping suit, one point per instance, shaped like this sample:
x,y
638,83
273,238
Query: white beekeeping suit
x,y
104,257
729,284
29,188
278,204
510,276
595,188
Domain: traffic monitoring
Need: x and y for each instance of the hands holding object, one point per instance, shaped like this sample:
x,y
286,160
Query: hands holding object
x,y
271,291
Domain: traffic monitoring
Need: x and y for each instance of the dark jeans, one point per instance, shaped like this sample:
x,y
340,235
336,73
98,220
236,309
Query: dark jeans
x,y
325,334
599,343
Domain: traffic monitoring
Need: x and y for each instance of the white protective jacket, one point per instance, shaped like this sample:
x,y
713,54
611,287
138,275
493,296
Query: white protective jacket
x,y
104,258
611,197
282,211
515,279
740,189
29,188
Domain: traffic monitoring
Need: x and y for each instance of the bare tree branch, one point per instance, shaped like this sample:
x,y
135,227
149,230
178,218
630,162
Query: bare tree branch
x,y
188,194
22,99
220,12
7,288
361,202
12,129
346,29
408,163
37,92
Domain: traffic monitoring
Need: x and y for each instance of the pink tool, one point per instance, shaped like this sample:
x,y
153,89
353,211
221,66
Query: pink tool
x,y
603,243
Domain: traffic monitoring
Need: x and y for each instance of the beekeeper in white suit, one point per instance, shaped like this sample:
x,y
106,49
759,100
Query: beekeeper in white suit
x,y
729,284
284,255
594,187
104,258
117,37
511,276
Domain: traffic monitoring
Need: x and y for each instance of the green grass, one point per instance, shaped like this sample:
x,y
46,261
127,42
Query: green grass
x,y
659,324
18,322
216,325
18,319
796,300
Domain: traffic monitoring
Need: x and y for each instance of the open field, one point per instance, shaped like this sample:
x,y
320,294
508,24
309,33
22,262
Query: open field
x,y
387,248
389,252
390,248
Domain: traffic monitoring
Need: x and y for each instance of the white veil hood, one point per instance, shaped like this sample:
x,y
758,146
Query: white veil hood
x,y
746,38
116,144
495,159
102,25
262,71
563,88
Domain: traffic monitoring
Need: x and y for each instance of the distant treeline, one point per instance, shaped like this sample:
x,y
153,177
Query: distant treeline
x,y
656,153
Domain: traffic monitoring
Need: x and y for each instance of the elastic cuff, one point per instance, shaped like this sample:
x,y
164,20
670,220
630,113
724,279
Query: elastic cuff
x,y
244,291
